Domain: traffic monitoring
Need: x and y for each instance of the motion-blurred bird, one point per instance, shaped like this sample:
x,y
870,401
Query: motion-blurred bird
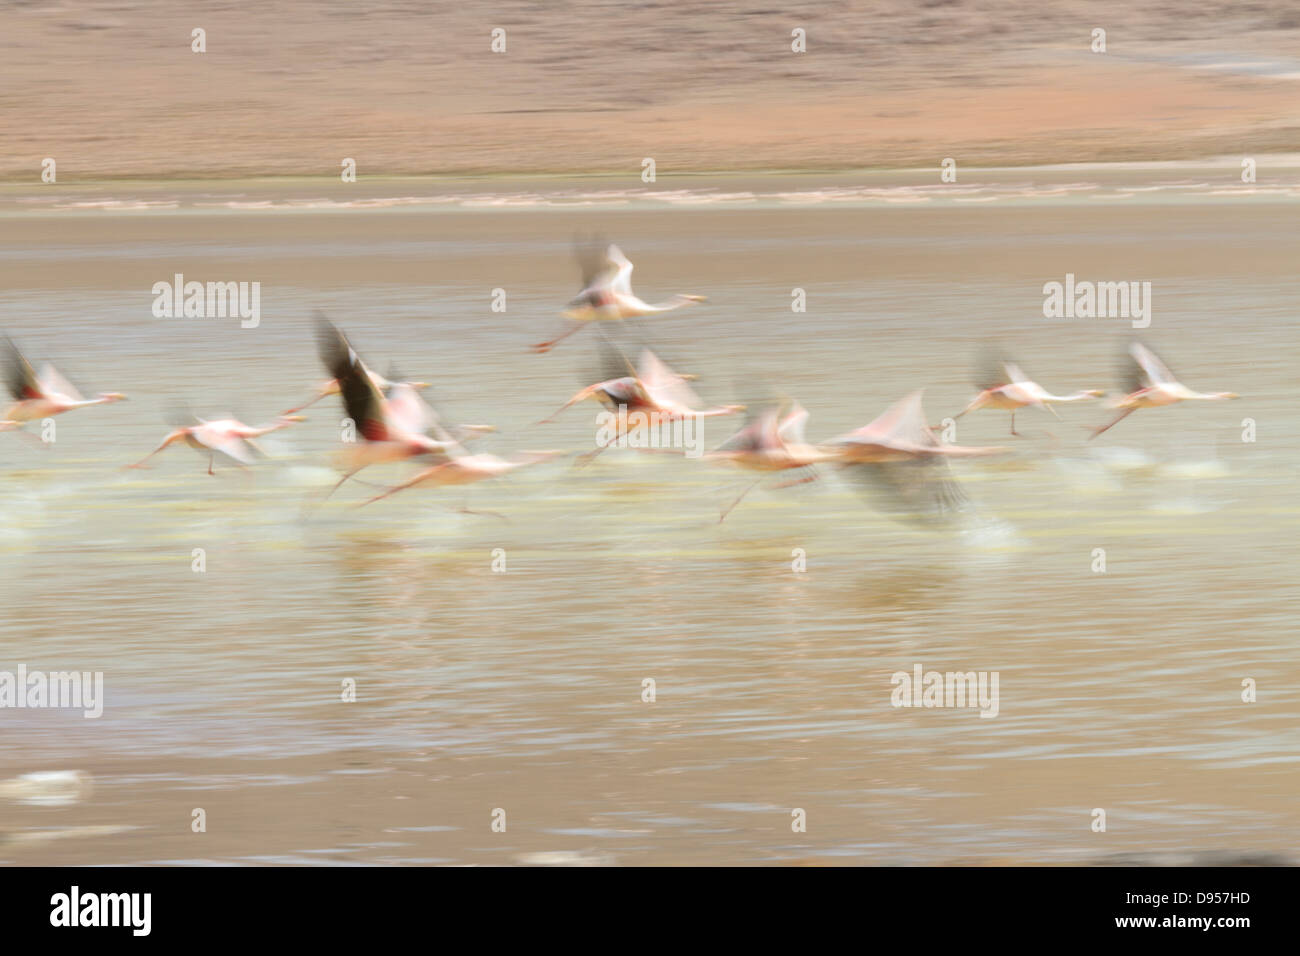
x,y
651,395
1003,385
607,293
771,441
465,469
40,396
1149,384
899,457
393,426
226,436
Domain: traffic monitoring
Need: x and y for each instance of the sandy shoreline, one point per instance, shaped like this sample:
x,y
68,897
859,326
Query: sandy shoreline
x,y
114,90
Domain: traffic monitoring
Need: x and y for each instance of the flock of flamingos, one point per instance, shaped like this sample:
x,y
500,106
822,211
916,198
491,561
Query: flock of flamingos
x,y
898,455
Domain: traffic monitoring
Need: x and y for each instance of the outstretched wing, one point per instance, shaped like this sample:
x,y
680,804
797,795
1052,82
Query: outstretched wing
x,y
362,400
1148,370
20,376
52,383
664,384
902,425
761,430
791,426
991,369
622,280
593,260
918,490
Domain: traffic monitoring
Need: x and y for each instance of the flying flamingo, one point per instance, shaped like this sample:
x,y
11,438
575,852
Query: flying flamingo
x,y
607,294
393,427
326,389
652,395
771,441
465,469
1151,385
225,436
43,395
1005,386
331,387
899,456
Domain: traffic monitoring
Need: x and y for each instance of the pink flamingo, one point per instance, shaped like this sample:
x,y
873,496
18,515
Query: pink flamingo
x,y
1151,385
331,387
326,389
652,395
899,456
226,436
393,427
607,294
771,442
43,395
1014,390
464,469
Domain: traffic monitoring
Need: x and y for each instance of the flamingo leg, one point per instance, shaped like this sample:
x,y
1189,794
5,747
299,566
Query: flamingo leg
x,y
1013,423
1113,422
586,393
798,481
307,404
422,476
722,517
338,485
466,510
174,436
210,460
547,346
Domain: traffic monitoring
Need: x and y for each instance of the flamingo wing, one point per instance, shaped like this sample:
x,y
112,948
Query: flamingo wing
x,y
991,370
664,385
223,441
622,265
1014,374
790,429
593,261
919,490
409,412
362,400
760,431
52,383
21,377
903,424
1153,370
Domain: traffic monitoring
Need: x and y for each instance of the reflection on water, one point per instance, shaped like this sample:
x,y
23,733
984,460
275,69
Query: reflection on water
x,y
522,690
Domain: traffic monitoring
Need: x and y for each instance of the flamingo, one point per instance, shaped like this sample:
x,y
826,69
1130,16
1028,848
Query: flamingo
x,y
607,294
465,469
654,390
394,427
899,455
1005,386
771,442
43,395
331,387
1151,385
226,436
